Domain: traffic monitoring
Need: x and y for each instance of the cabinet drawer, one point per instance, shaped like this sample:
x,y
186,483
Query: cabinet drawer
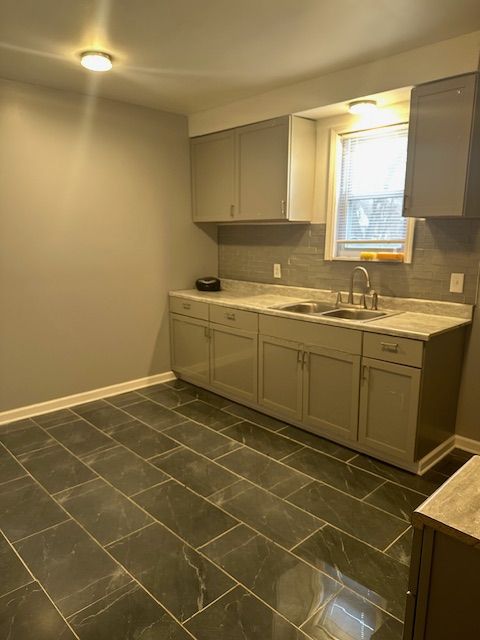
x,y
311,333
189,308
234,317
393,349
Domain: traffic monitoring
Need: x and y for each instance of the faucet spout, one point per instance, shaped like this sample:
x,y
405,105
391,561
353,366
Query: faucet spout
x,y
368,287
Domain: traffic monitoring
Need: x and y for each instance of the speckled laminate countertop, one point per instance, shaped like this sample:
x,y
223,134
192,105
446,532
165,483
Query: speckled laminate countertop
x,y
454,508
410,318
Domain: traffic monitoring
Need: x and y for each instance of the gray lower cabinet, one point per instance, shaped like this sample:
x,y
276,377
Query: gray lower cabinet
x,y
442,600
190,348
330,392
233,362
389,396
280,376
389,405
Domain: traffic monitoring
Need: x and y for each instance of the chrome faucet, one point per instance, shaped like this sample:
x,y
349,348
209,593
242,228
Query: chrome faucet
x,y
368,289
352,278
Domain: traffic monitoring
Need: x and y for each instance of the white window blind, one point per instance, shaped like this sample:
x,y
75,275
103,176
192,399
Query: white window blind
x,y
369,188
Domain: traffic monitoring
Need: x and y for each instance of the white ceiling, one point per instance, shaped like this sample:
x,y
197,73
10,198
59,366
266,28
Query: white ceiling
x,y
191,55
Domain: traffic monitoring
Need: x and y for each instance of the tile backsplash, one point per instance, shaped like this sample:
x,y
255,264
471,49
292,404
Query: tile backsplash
x,y
441,247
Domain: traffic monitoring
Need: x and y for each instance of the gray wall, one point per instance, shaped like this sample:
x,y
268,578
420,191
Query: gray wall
x,y
247,252
95,228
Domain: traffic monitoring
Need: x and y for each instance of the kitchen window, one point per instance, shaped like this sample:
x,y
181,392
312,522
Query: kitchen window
x,y
366,195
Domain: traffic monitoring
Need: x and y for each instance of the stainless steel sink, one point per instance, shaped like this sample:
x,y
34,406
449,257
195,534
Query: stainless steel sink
x,y
308,307
355,314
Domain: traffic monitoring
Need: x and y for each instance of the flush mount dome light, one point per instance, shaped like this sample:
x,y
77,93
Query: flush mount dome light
x,y
362,107
96,60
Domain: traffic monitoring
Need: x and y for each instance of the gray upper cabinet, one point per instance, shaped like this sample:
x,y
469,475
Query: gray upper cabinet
x,y
260,172
443,165
213,176
262,160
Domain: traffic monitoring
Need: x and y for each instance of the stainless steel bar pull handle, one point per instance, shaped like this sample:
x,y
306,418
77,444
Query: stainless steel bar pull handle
x,y
230,316
364,373
283,207
391,347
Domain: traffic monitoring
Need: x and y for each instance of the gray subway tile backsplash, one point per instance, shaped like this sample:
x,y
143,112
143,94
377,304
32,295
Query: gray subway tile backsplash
x,y
441,247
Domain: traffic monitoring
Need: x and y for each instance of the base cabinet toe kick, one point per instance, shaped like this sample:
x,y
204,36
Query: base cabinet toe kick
x,y
394,398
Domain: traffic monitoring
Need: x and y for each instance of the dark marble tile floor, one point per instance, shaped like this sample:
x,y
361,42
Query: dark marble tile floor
x,y
170,512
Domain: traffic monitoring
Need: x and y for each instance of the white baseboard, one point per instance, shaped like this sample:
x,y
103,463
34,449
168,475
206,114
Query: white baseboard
x,y
431,459
86,396
467,444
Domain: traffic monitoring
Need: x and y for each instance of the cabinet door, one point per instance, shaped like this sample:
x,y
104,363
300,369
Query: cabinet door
x,y
389,399
233,358
280,376
441,121
330,392
262,170
189,347
213,176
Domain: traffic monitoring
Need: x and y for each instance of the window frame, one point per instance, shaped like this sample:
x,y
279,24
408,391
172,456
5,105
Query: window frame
x,y
334,169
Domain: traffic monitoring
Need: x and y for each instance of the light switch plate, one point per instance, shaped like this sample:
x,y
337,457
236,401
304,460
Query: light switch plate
x,y
456,282
277,270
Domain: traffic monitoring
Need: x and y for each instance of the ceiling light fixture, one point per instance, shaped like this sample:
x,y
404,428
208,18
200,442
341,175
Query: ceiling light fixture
x,y
362,107
96,60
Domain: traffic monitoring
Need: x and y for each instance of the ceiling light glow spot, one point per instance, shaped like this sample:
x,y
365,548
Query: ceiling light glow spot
x,y
362,107
96,61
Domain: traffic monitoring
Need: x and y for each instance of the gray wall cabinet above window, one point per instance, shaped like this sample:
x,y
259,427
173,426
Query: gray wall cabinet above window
x,y
443,158
257,173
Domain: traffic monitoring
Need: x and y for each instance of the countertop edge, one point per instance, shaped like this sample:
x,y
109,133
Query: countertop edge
x,y
371,327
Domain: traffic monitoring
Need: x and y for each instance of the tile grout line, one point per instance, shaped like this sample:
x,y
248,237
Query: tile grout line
x,y
206,498
42,588
179,538
22,586
97,543
373,491
52,526
396,540
345,462
235,526
354,455
80,484
197,613
239,476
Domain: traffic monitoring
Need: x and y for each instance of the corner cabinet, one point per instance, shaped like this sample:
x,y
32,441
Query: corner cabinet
x,y
443,158
260,172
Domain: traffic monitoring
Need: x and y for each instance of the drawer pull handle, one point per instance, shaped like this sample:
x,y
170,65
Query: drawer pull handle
x,y
187,306
392,347
230,316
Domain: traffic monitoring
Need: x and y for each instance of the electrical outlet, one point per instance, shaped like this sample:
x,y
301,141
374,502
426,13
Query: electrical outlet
x,y
277,270
456,282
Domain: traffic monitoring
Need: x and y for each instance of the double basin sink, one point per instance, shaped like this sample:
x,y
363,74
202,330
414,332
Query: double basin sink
x,y
310,308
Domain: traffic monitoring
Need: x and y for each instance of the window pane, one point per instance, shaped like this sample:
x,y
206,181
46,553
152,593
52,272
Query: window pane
x,y
370,191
